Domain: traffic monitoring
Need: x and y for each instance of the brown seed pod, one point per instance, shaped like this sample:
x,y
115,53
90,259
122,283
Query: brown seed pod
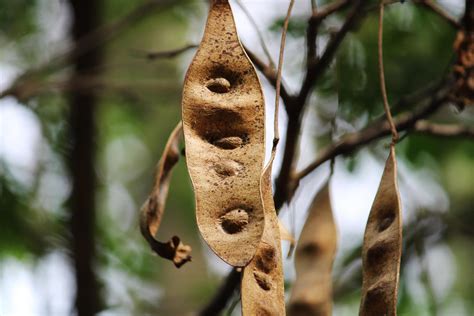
x,y
311,294
262,279
382,248
152,210
223,116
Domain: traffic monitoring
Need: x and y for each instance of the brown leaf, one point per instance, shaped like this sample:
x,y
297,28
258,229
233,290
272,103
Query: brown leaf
x,y
223,122
152,211
312,291
382,248
262,288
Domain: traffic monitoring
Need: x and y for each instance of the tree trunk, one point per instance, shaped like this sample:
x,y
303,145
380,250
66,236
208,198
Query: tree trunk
x,y
81,163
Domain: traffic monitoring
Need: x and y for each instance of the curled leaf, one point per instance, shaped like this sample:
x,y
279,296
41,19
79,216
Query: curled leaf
x,y
223,123
151,212
312,291
382,247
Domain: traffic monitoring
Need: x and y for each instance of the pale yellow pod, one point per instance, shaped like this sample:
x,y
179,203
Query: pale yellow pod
x,y
223,121
382,248
262,288
311,294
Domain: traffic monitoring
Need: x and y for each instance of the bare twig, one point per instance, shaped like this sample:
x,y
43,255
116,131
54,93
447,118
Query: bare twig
x,y
444,130
165,54
276,136
83,45
382,76
435,8
271,76
352,141
223,294
296,106
259,33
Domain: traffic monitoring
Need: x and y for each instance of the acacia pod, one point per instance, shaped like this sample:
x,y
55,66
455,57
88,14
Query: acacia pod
x,y
311,294
382,247
262,288
223,116
152,210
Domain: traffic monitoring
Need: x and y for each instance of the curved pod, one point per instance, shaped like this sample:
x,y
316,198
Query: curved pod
x,y
311,294
223,122
262,288
382,248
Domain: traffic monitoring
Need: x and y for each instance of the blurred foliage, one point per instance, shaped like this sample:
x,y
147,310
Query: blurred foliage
x,y
140,106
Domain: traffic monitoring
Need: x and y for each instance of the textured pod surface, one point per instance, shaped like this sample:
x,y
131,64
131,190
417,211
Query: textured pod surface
x,y
311,294
223,117
262,289
382,248
152,211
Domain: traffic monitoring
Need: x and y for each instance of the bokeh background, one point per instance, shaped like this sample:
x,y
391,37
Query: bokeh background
x,y
49,143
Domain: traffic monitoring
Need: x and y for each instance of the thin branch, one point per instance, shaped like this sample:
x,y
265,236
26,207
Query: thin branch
x,y
83,45
353,141
259,33
276,136
223,295
295,107
315,71
271,76
165,54
329,9
382,76
435,8
444,130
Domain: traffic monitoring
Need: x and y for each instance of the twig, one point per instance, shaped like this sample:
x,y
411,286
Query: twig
x,y
382,76
259,33
329,9
435,8
276,136
271,76
296,106
444,130
165,54
223,294
352,141
83,45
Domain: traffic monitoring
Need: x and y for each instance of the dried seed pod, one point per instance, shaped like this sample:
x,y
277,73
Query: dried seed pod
x,y
262,279
382,248
223,116
311,294
152,210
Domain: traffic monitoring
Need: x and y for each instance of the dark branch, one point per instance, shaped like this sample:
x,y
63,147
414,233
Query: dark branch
x,y
353,141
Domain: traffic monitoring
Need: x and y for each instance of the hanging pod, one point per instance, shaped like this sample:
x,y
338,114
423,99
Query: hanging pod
x,y
382,248
311,294
152,211
223,121
262,289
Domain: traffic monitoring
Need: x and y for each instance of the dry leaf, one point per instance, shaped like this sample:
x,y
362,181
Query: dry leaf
x,y
262,280
152,211
382,248
312,291
223,116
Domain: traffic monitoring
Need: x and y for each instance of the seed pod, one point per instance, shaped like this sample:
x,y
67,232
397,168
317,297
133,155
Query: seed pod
x,y
262,279
382,248
223,116
152,210
311,294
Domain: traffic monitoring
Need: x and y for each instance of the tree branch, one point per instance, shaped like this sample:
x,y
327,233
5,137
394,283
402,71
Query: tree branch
x,y
435,8
353,141
21,87
443,130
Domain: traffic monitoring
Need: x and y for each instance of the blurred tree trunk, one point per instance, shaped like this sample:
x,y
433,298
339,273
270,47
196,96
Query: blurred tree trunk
x,y
82,103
